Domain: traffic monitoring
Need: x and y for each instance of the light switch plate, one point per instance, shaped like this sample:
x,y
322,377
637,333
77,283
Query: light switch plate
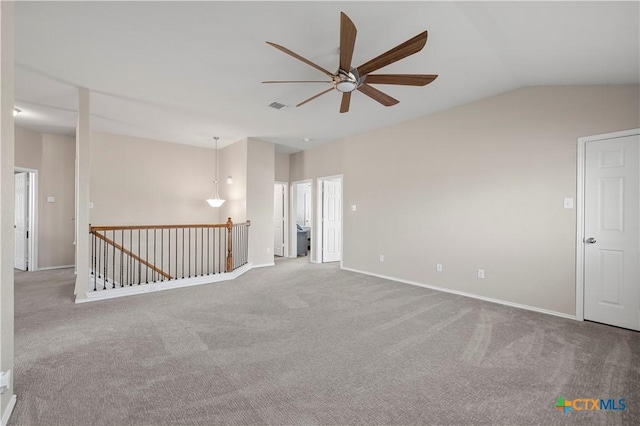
x,y
568,203
354,207
51,199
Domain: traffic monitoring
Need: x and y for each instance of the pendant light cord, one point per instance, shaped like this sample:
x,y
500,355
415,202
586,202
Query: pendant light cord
x,y
217,165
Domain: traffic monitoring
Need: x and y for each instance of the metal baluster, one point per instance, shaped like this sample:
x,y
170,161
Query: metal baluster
x,y
140,256
155,251
182,275
113,260
105,260
162,252
121,261
99,257
129,258
177,254
94,253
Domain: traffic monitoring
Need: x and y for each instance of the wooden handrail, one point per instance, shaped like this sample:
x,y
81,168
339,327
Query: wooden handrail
x,y
134,227
133,255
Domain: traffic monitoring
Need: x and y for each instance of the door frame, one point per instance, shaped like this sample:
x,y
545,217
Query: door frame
x,y
285,225
580,210
293,208
32,244
319,222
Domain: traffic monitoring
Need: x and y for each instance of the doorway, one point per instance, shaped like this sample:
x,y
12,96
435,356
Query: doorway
x,y
25,225
280,219
329,244
301,233
608,230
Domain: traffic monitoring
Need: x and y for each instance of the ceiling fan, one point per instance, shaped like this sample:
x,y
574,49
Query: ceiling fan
x,y
347,79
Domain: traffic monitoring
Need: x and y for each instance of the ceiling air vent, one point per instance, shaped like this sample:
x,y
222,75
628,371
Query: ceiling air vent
x,y
277,105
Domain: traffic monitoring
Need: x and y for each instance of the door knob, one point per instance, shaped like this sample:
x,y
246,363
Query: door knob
x,y
590,240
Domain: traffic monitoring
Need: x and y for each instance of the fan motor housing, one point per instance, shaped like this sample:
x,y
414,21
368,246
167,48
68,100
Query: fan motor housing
x,y
347,82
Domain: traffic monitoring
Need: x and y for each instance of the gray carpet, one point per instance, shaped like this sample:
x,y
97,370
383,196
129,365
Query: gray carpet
x,y
308,344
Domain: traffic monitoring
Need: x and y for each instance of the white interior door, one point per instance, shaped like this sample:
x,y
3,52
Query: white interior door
x,y
278,219
21,220
331,220
612,232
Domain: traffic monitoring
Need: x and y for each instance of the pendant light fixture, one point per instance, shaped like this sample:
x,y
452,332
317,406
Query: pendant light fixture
x,y
215,200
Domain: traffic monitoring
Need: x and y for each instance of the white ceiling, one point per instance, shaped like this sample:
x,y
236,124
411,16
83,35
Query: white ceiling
x,y
186,71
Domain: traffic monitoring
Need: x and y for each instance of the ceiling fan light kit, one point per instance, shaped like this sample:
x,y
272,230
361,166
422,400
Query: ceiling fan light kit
x,y
347,79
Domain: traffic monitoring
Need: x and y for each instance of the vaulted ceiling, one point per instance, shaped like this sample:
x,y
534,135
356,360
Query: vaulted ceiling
x,y
186,71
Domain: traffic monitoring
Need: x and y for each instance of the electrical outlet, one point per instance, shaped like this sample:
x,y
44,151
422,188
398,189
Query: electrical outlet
x,y
481,273
382,258
439,267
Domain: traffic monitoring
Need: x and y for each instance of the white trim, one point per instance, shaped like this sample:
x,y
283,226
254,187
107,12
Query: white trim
x,y
7,413
263,265
92,296
580,211
33,217
293,202
286,217
319,222
462,293
49,268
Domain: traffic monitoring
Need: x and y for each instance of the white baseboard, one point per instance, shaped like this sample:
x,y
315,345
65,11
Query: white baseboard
x,y
462,293
7,413
49,268
111,293
264,265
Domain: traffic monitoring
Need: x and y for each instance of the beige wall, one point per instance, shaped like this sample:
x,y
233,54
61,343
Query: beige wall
x,y
55,224
476,186
282,167
260,182
7,212
53,157
28,151
138,181
251,162
233,162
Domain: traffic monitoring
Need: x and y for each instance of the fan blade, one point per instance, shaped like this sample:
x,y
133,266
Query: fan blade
x,y
377,95
297,81
300,58
347,41
313,97
401,51
346,99
402,79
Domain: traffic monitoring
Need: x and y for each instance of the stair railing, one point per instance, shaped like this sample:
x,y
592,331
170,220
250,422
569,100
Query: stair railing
x,y
124,256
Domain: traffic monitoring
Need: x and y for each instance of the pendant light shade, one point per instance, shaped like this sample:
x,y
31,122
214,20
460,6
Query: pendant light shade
x,y
215,200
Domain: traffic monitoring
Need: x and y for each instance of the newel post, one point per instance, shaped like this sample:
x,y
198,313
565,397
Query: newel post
x,y
229,246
